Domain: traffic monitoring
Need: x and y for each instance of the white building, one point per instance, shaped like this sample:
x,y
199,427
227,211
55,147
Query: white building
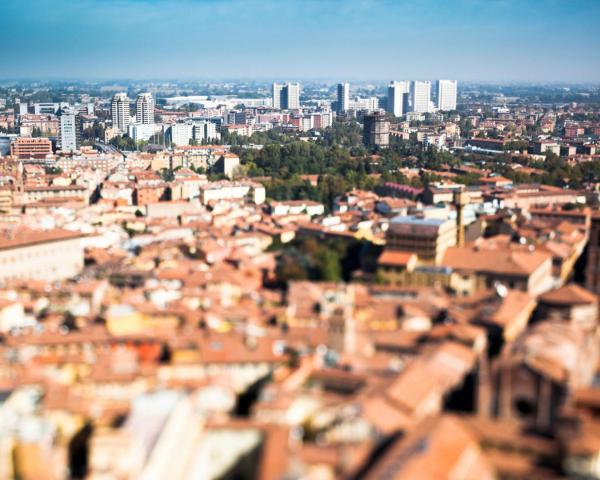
x,y
144,127
437,140
290,97
141,132
68,131
225,190
396,97
306,123
446,94
205,131
369,104
48,255
286,96
343,97
181,133
45,108
420,96
120,112
144,109
322,119
277,87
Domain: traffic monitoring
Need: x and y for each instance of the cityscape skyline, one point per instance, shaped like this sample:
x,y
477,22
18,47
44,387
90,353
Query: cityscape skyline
x,y
299,239
500,41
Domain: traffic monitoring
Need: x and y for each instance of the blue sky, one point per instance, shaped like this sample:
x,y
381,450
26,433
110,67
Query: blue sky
x,y
479,40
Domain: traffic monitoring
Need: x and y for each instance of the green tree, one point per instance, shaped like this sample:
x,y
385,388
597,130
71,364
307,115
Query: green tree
x,y
329,265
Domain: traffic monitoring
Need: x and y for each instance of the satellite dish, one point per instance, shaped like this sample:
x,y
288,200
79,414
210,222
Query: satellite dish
x,y
501,290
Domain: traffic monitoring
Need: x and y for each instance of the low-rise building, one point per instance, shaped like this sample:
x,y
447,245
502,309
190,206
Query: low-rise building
x,y
40,255
26,147
427,237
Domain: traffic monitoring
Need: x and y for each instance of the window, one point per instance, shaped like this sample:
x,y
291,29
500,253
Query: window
x,y
524,407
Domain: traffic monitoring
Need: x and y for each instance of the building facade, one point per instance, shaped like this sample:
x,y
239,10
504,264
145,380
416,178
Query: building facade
x,y
26,147
376,131
205,131
276,92
343,97
181,133
446,94
69,131
144,109
41,255
427,238
286,96
397,97
420,96
120,112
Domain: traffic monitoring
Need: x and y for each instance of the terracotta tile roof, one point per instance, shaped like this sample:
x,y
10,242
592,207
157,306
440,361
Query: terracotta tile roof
x,y
395,258
571,294
439,447
25,237
500,261
555,350
432,374
511,306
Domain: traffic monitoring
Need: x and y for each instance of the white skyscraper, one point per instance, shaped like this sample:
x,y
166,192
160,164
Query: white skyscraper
x,y
286,96
277,87
290,96
420,96
446,94
396,95
68,130
144,109
120,112
343,97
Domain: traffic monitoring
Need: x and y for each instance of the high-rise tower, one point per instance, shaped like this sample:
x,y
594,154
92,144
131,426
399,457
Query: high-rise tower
x,y
446,91
144,109
120,112
343,97
376,131
397,94
286,96
69,130
290,96
420,95
277,95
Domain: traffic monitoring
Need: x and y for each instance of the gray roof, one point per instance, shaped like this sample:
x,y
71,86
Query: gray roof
x,y
414,220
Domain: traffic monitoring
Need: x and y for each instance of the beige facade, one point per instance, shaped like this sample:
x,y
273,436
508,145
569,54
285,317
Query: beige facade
x,y
46,256
224,190
428,238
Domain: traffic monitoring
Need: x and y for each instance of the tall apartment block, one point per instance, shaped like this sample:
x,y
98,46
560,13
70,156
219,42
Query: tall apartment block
x,y
343,97
397,97
144,109
376,131
420,96
286,96
446,91
276,92
120,112
69,130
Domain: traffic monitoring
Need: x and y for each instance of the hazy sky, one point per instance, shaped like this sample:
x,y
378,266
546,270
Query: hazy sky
x,y
489,40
